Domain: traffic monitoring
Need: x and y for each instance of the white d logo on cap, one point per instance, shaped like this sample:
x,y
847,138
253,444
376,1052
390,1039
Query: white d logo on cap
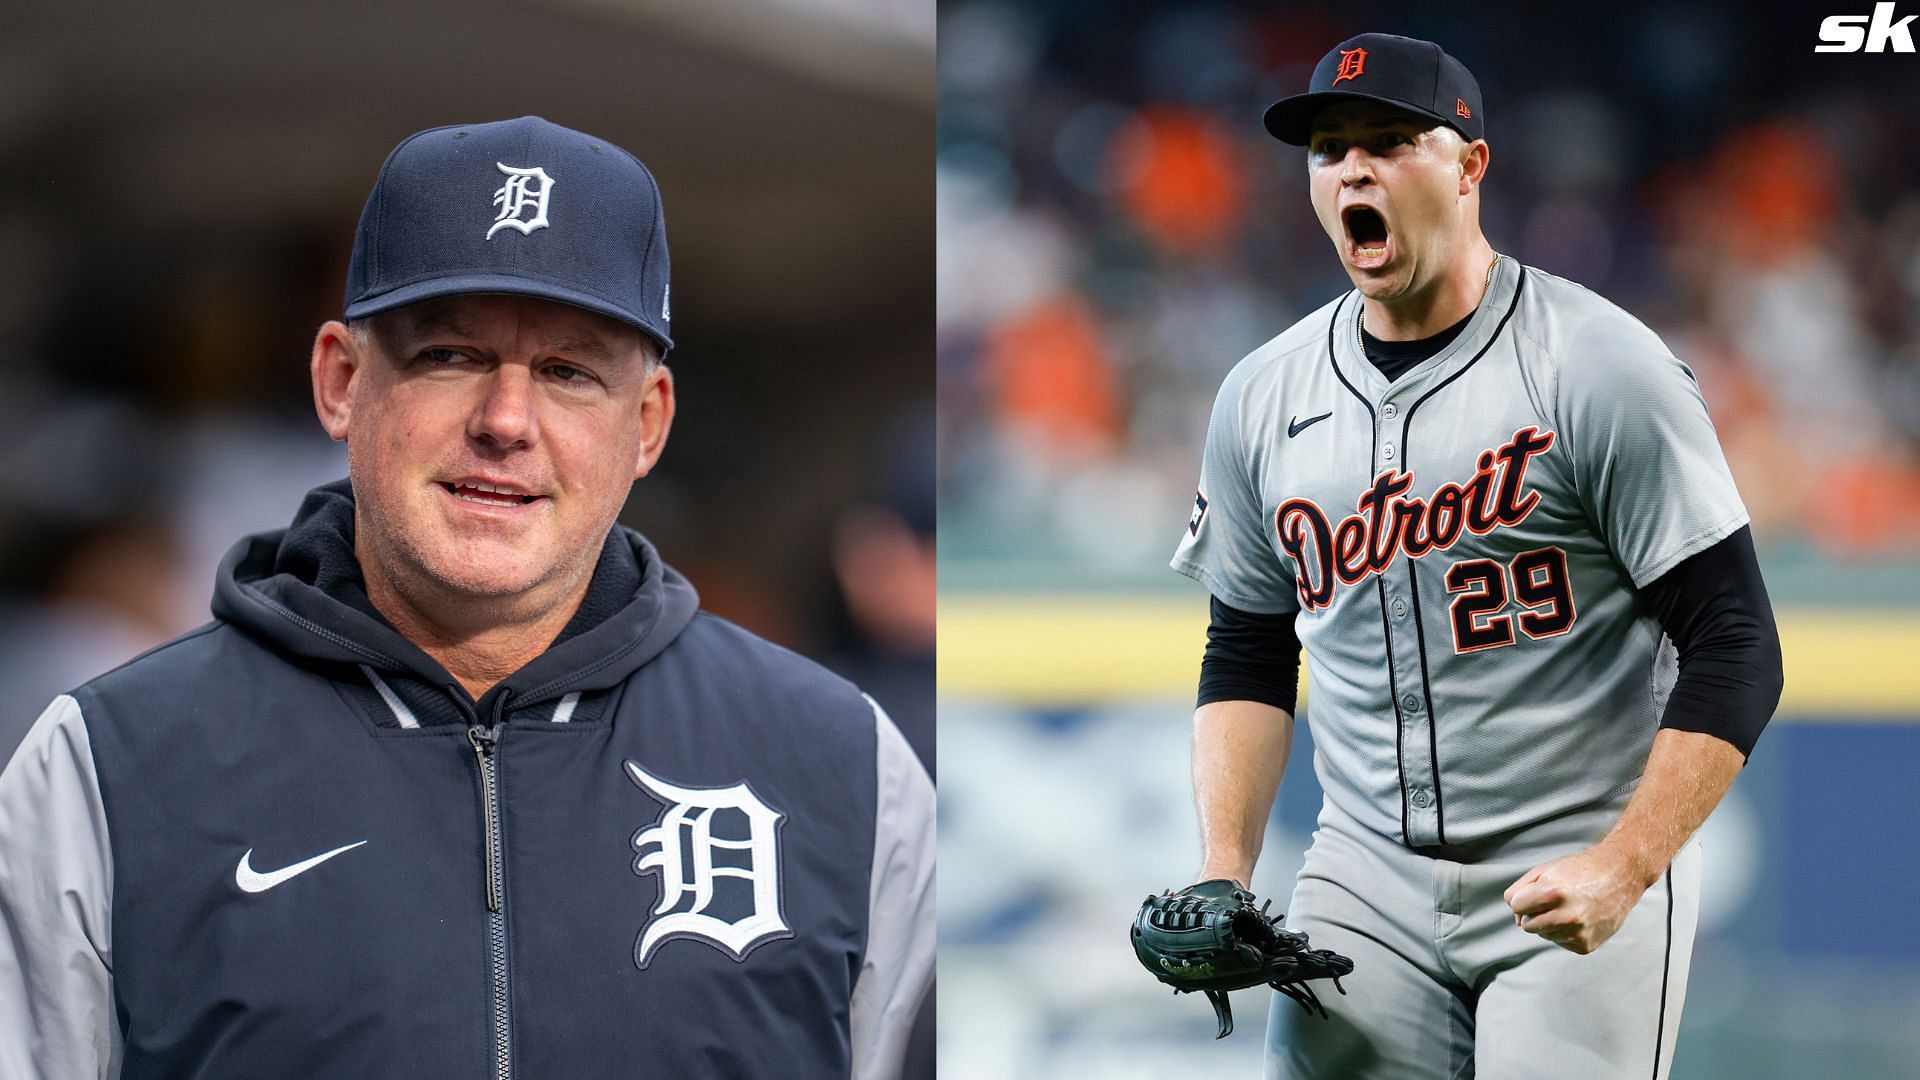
x,y
518,194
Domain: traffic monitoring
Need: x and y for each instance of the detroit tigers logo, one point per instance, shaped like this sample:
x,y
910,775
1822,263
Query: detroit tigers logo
x,y
525,190
682,849
1385,522
1353,64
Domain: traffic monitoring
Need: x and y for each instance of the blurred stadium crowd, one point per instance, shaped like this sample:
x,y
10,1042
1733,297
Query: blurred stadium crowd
x,y
1117,229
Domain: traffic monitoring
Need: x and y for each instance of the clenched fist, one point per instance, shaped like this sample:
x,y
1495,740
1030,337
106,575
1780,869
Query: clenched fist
x,y
1577,902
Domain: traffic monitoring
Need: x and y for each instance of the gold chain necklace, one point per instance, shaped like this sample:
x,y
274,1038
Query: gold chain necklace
x,y
1360,320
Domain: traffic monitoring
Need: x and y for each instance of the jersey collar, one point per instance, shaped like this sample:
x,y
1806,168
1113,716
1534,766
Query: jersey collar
x,y
1489,320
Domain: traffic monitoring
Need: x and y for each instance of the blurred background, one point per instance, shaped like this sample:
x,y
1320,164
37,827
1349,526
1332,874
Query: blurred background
x,y
1116,230
179,187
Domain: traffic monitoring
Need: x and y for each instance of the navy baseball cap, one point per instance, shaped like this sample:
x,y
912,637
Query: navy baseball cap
x,y
1404,72
523,207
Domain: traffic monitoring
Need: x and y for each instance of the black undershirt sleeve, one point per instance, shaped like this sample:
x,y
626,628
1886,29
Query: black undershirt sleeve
x,y
1714,606
1250,657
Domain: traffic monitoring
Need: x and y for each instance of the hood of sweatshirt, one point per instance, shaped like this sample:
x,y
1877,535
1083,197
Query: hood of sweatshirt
x,y
300,591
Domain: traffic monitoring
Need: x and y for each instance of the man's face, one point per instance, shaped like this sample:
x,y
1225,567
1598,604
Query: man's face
x,y
1389,187
492,440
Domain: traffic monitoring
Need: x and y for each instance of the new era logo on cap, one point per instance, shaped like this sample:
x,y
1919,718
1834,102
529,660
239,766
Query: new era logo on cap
x,y
521,207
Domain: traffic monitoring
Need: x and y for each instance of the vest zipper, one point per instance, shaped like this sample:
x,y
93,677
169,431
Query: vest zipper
x,y
484,740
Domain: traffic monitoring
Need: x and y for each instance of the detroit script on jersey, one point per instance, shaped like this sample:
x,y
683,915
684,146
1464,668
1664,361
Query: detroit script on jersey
x,y
1386,521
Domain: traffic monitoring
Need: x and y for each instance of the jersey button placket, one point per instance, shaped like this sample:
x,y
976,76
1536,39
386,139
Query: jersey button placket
x,y
1416,749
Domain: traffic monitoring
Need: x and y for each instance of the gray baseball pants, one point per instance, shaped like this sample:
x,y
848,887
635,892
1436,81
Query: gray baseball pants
x,y
1446,986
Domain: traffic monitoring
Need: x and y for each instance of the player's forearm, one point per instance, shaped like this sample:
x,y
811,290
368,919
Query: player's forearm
x,y
1687,774
1239,754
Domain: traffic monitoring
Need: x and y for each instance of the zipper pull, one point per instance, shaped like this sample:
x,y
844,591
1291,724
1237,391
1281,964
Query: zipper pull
x,y
483,740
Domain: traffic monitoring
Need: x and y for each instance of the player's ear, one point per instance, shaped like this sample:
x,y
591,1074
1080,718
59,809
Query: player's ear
x,y
338,356
1473,165
656,418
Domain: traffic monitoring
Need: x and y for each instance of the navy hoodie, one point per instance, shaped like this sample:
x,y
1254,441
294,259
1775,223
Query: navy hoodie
x,y
289,844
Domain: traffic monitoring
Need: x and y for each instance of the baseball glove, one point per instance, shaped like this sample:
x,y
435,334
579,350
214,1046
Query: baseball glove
x,y
1210,937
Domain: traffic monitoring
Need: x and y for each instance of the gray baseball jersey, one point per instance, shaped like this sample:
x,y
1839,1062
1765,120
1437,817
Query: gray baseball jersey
x,y
1463,547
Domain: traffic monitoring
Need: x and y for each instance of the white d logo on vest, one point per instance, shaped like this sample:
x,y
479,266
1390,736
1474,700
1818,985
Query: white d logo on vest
x,y
680,849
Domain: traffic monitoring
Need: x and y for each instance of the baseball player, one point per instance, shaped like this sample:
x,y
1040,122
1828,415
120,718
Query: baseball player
x,y
1491,508
460,782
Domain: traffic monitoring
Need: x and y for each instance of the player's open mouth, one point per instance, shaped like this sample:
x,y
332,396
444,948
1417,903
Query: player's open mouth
x,y
486,494
1369,241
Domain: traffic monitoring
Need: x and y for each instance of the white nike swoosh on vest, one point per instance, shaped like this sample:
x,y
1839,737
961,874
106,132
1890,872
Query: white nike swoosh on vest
x,y
253,881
